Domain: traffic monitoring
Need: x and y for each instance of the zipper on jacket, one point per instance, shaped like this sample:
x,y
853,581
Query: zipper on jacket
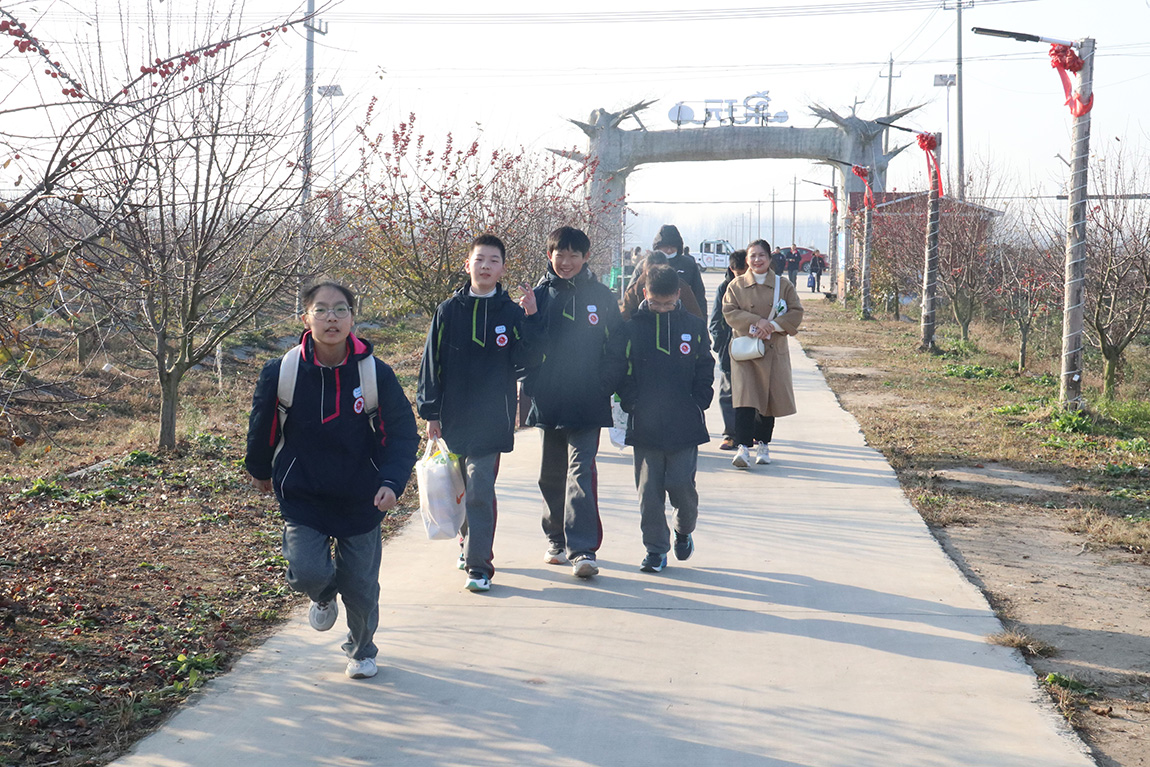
x,y
283,482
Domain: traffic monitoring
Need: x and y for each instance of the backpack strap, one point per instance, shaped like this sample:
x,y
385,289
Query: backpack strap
x,y
285,391
369,385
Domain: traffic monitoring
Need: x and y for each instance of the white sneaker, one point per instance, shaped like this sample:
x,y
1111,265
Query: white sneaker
x,y
762,453
584,567
742,458
322,615
363,668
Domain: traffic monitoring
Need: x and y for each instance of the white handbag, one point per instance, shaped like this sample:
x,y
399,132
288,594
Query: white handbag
x,y
746,348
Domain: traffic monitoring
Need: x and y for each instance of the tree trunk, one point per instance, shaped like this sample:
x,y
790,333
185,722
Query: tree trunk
x,y
1023,338
169,403
86,340
1110,373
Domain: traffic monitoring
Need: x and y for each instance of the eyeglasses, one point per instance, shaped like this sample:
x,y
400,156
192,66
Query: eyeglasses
x,y
318,312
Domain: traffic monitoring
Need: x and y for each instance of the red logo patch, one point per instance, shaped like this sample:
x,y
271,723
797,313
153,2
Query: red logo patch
x,y
358,406
685,348
593,318
501,340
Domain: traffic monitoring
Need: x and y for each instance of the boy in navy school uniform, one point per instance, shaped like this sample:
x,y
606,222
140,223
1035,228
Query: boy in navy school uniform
x,y
660,363
569,403
478,340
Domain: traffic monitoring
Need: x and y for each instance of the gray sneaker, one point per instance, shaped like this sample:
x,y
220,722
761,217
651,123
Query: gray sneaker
x,y
584,567
322,615
742,458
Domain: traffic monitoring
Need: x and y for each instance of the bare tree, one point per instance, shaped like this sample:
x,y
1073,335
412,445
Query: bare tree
x,y
85,164
419,207
1118,260
968,250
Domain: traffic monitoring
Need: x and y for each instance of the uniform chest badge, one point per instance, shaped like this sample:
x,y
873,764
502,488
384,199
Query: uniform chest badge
x,y
500,328
685,348
592,317
357,391
501,339
358,406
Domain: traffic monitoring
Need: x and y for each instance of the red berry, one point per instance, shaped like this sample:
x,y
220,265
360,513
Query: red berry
x,y
44,622
3,662
77,630
51,589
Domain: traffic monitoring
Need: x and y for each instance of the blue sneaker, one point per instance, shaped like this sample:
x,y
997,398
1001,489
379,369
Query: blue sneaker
x,y
684,546
653,563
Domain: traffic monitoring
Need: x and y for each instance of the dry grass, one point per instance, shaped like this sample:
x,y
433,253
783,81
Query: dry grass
x,y
1029,646
967,407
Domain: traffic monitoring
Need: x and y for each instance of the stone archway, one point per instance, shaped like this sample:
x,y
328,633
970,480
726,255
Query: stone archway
x,y
616,152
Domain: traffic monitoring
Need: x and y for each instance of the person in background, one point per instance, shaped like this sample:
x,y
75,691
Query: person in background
x,y
634,294
670,242
817,265
721,344
792,263
761,388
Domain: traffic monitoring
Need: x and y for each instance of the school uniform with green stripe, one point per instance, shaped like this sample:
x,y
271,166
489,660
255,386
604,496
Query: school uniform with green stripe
x,y
467,380
662,368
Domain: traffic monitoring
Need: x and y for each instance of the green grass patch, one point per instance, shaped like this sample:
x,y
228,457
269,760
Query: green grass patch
x,y
970,371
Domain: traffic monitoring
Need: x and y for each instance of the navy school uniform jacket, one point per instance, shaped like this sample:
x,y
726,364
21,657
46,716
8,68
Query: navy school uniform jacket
x,y
467,380
688,270
579,315
662,368
720,330
334,458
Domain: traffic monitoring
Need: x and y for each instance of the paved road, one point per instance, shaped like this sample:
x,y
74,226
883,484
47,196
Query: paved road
x,y
819,623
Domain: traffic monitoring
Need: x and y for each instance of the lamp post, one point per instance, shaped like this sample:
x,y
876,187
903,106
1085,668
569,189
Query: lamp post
x,y
946,81
331,93
1070,387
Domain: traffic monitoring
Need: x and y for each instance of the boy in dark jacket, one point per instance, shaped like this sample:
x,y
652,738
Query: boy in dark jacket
x,y
478,339
569,404
336,466
661,365
721,344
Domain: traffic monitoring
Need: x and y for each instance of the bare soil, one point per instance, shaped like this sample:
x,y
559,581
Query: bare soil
x,y
1040,520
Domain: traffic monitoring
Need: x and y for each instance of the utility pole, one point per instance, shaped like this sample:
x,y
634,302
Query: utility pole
x,y
958,94
890,75
930,270
1070,389
794,208
305,196
773,241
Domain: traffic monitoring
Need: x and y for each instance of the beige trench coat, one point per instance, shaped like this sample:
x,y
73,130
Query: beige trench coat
x,y
763,383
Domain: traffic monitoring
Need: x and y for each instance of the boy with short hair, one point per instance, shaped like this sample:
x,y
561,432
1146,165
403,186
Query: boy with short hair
x,y
660,363
569,404
478,340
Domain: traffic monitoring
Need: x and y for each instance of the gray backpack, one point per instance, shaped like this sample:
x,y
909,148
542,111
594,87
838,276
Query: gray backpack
x,y
285,390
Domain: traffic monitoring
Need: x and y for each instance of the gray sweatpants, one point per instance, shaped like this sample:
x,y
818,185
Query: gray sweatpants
x,y
569,484
658,475
479,472
353,573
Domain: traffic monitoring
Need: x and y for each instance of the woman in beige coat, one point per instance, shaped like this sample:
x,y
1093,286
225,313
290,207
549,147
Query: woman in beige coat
x,y
761,388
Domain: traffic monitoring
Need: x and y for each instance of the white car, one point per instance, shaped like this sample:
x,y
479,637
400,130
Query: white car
x,y
713,254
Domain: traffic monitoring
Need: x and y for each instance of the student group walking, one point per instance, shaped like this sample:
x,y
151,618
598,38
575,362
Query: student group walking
x,y
332,434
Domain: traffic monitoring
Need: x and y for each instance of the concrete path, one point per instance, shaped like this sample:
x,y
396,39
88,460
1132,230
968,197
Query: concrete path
x,y
818,623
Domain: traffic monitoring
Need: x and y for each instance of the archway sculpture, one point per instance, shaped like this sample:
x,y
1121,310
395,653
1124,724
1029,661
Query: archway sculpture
x,y
614,153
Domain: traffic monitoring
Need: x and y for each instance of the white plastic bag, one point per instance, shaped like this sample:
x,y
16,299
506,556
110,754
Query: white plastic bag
x,y
442,499
617,432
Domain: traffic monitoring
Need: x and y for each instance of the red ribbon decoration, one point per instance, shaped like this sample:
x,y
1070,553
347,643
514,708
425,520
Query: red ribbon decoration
x,y
928,143
1064,59
864,174
831,196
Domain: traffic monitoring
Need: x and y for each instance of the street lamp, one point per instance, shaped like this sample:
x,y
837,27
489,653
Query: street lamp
x,y
946,81
331,93
1070,388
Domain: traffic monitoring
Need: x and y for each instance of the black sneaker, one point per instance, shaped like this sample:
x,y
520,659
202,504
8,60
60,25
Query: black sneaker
x,y
684,546
653,563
